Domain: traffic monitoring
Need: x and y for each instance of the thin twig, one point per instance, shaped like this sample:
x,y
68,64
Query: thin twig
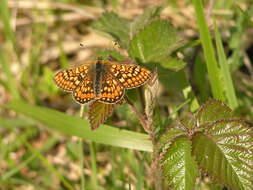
x,y
140,90
141,117
67,17
209,11
55,5
247,63
14,13
90,41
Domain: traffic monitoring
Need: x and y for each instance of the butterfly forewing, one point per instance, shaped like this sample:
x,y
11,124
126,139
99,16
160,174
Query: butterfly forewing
x,y
129,75
70,79
111,90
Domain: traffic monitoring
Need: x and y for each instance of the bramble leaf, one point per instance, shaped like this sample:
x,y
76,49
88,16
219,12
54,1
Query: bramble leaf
x,y
115,26
179,167
154,43
211,111
225,152
98,113
167,138
221,145
172,63
142,20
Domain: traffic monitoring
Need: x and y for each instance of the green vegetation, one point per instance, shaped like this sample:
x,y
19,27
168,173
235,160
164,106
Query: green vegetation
x,y
189,127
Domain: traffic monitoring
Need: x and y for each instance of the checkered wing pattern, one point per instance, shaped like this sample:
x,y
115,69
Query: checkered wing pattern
x,y
84,81
111,89
84,92
129,75
78,80
70,79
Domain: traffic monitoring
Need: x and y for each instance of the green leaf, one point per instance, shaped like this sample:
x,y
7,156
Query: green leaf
x,y
154,43
142,20
115,26
187,123
171,63
225,152
211,111
104,54
79,127
168,137
179,167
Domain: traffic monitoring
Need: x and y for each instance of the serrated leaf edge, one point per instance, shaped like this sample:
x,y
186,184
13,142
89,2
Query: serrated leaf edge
x,y
205,170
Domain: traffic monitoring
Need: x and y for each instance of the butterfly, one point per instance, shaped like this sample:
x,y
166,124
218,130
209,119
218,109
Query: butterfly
x,y
101,80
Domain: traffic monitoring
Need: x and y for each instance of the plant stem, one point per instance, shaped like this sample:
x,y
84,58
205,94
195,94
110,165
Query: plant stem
x,y
93,165
141,118
153,122
80,153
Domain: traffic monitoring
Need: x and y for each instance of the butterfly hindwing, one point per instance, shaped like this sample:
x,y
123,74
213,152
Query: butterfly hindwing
x,y
85,91
111,90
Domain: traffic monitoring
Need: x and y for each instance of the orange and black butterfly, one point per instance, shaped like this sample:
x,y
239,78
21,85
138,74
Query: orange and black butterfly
x,y
101,80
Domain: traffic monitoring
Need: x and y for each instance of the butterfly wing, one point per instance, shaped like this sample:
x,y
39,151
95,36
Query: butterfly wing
x,y
79,80
129,75
111,90
71,78
84,91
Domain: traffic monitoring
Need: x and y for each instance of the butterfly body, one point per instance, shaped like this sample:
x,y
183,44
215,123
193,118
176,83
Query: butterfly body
x,y
101,80
99,69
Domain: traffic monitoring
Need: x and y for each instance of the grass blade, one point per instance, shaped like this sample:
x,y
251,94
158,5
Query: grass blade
x,y
227,80
10,82
47,164
211,62
6,19
79,127
49,144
